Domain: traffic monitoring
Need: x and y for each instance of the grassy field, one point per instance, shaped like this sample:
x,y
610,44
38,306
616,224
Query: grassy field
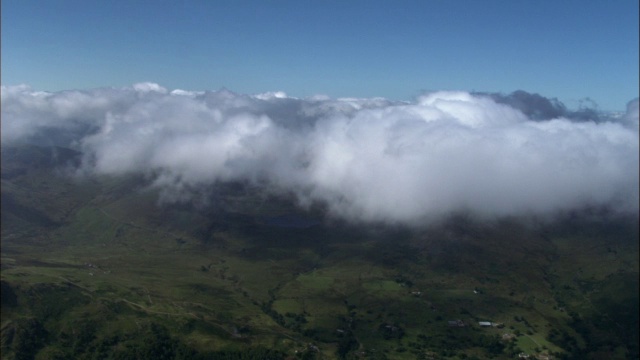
x,y
95,268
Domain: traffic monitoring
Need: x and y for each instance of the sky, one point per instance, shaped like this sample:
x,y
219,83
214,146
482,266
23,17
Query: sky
x,y
570,50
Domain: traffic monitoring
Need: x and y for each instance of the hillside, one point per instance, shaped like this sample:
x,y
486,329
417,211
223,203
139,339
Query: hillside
x,y
94,267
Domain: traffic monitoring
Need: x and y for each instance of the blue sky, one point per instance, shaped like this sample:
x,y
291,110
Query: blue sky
x,y
394,49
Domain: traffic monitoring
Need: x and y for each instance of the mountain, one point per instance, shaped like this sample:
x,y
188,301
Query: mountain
x,y
97,267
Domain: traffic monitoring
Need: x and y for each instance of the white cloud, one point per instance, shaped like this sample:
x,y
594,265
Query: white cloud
x,y
631,117
271,95
367,159
149,87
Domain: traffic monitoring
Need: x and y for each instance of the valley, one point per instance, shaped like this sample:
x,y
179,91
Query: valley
x,y
95,267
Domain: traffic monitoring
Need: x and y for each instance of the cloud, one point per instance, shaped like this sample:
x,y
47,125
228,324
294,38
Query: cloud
x,y
366,159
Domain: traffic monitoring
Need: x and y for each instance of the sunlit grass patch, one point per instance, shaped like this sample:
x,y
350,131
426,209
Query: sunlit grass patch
x,y
528,344
315,281
382,285
284,306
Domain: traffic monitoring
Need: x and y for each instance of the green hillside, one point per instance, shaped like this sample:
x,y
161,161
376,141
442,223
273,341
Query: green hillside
x,y
95,268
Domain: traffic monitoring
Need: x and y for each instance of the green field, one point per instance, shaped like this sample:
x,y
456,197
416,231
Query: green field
x,y
96,268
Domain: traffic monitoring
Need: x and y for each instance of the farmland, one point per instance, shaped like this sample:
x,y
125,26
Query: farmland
x,y
96,268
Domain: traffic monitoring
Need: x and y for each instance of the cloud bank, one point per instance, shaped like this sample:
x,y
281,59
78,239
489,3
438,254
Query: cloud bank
x,y
366,159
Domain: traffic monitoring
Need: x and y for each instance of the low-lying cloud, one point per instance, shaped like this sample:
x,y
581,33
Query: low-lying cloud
x,y
366,159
